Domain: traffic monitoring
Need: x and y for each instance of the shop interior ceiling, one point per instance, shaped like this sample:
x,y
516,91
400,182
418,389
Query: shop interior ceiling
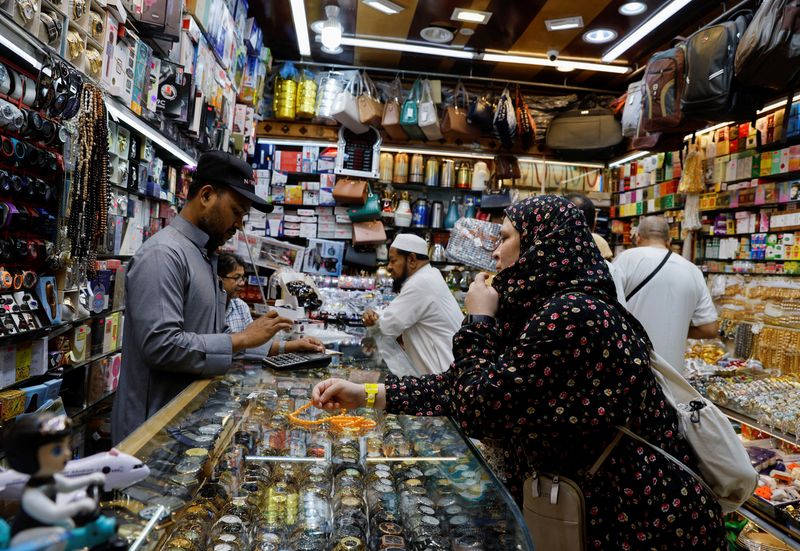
x,y
516,26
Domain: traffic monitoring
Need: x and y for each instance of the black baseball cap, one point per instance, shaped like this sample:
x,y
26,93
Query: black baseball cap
x,y
220,167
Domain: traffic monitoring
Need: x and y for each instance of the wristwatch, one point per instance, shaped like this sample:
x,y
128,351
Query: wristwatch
x,y
478,318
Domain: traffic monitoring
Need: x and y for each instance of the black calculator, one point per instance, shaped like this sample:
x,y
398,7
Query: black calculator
x,y
292,361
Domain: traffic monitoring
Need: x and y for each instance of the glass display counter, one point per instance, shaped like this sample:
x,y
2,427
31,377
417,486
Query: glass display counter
x,y
230,472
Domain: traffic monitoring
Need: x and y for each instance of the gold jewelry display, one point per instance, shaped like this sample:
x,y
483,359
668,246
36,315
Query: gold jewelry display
x,y
95,62
78,8
96,25
75,44
337,423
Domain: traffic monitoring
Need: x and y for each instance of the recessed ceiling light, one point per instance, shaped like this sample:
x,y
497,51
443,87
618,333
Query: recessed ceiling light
x,y
385,6
644,29
466,31
599,36
439,35
564,23
565,67
632,8
471,16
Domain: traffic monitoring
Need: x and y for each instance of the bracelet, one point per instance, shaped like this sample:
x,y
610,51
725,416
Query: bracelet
x,y
281,347
372,392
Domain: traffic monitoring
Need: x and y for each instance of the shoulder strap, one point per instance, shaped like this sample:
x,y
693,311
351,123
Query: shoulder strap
x,y
670,457
648,278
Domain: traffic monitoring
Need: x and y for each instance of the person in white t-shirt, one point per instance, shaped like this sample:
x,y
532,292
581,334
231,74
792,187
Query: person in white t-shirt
x,y
424,313
675,303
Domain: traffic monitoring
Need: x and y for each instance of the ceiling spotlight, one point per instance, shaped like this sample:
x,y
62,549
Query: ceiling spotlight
x,y
632,8
466,31
438,35
471,16
564,23
385,6
599,36
331,33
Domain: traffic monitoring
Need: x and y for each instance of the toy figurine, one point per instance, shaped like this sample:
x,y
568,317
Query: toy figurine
x,y
39,445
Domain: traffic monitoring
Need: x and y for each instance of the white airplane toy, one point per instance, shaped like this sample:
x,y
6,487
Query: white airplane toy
x,y
121,470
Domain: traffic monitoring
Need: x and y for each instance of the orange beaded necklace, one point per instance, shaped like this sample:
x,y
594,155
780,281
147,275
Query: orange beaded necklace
x,y
336,423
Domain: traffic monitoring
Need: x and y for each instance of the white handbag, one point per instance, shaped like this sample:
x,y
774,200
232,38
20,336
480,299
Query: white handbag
x,y
428,118
632,110
345,106
725,468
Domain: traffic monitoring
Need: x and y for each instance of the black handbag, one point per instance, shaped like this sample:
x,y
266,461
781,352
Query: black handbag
x,y
364,257
481,112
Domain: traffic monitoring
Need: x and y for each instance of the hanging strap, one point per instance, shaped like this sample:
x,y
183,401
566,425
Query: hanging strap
x,y
603,456
670,457
648,278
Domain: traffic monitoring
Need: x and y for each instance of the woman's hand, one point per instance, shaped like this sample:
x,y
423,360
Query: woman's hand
x,y
481,299
338,393
306,344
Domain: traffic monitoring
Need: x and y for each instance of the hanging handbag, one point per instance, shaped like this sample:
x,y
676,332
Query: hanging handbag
x,y
505,120
370,108
350,192
506,167
364,257
368,233
428,116
481,112
526,126
391,113
328,90
454,122
409,116
472,242
370,210
345,108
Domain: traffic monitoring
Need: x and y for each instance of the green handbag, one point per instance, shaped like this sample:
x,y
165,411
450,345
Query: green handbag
x,y
370,210
409,115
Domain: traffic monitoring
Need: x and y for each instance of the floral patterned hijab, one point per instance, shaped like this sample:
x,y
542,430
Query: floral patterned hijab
x,y
557,255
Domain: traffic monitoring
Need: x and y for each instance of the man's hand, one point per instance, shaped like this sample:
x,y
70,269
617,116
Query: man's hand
x,y
370,318
481,299
260,331
306,344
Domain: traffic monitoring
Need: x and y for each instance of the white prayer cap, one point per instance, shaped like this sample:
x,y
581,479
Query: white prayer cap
x,y
410,243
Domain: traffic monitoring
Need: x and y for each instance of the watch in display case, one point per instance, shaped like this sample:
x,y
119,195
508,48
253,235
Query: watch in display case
x,y
75,44
26,10
52,24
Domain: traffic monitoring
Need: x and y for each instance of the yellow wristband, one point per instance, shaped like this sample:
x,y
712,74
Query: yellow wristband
x,y
372,391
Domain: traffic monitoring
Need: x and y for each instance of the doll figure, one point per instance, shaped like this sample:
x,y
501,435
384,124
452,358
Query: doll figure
x,y
39,445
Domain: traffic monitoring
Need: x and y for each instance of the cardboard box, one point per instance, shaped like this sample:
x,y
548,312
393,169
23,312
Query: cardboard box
x,y
12,403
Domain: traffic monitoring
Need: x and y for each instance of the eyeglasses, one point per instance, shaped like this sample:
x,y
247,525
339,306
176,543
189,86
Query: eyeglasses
x,y
237,279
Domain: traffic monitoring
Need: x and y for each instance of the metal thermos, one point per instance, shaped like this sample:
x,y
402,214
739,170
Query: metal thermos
x,y
464,178
432,172
417,169
400,169
448,178
437,214
419,214
480,176
386,168
438,253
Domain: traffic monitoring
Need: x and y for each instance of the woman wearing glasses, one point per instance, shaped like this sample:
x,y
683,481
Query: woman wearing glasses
x,y
230,269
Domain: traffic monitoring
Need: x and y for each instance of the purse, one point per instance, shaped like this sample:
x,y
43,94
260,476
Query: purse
x,y
454,122
370,210
391,113
506,167
555,510
370,108
369,233
360,256
409,116
505,120
481,113
526,126
345,107
350,192
428,118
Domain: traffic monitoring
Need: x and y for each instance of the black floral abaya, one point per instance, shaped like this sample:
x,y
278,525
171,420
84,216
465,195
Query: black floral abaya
x,y
562,365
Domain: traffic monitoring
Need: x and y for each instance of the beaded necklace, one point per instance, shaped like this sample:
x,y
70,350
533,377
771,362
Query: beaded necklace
x,y
336,423
90,189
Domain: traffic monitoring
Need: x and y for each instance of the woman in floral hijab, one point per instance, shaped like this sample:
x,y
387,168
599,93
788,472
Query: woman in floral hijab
x,y
549,361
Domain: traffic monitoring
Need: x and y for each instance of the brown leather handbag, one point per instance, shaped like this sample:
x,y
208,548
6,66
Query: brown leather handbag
x,y
391,113
370,108
350,192
369,233
454,122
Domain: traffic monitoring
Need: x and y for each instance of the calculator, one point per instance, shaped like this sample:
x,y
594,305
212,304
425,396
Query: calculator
x,y
292,361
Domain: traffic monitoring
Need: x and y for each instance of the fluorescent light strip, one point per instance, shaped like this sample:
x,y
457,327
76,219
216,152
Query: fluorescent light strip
x,y
543,62
628,158
777,104
301,27
688,137
133,121
447,153
389,8
406,47
297,143
20,52
644,29
541,161
565,26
